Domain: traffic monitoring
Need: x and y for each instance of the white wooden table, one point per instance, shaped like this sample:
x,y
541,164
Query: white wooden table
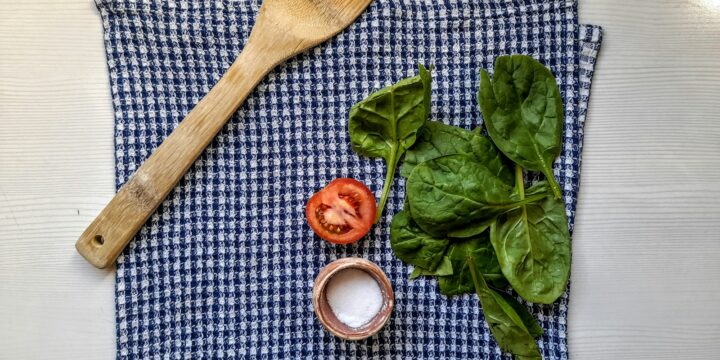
x,y
646,267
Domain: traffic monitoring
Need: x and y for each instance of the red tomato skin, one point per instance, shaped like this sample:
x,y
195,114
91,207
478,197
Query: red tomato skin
x,y
368,209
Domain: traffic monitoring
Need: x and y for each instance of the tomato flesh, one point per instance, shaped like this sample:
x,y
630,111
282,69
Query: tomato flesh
x,y
342,212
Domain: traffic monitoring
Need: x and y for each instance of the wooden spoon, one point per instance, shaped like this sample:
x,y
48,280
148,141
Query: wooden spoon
x,y
283,28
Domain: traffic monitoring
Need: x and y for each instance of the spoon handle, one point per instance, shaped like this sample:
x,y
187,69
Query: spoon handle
x,y
106,237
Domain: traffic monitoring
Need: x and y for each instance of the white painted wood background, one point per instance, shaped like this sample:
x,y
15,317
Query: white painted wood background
x,y
646,267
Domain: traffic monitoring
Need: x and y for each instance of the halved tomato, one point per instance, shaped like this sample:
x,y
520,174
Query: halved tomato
x,y
343,212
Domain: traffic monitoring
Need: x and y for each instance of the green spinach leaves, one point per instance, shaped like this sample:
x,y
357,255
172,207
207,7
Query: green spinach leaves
x,y
445,268
444,257
456,191
533,246
461,183
513,332
437,139
523,113
414,246
386,123
460,281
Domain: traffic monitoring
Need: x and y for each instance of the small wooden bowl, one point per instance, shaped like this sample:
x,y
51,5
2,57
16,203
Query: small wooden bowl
x,y
326,315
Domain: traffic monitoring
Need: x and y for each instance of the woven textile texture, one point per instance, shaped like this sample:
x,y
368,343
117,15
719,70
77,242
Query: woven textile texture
x,y
225,267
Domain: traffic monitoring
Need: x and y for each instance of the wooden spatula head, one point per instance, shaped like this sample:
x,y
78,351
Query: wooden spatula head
x,y
313,20
290,27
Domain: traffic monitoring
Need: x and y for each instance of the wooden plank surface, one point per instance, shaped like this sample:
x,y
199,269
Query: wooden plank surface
x,y
646,267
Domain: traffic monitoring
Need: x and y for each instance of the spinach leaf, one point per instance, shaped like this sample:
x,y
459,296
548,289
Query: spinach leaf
x,y
437,139
471,230
523,113
445,268
460,282
455,191
385,124
414,246
438,256
506,325
527,318
533,246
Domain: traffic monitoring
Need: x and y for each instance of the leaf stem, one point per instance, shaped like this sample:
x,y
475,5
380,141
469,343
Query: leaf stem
x,y
474,275
519,181
389,176
525,201
553,184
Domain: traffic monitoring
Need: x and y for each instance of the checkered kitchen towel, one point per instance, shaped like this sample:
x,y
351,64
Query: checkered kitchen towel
x,y
225,268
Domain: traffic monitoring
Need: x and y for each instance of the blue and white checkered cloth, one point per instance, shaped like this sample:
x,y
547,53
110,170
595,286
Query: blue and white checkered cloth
x,y
225,268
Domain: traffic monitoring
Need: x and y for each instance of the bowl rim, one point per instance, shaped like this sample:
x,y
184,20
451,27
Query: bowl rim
x,y
327,317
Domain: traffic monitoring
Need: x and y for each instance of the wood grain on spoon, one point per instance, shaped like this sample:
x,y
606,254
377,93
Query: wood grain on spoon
x,y
283,28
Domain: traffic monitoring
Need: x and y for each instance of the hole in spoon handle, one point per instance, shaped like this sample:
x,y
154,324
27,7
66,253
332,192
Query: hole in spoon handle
x,y
106,237
98,240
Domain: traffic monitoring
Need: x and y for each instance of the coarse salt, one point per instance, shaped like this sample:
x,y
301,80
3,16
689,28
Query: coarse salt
x,y
354,296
